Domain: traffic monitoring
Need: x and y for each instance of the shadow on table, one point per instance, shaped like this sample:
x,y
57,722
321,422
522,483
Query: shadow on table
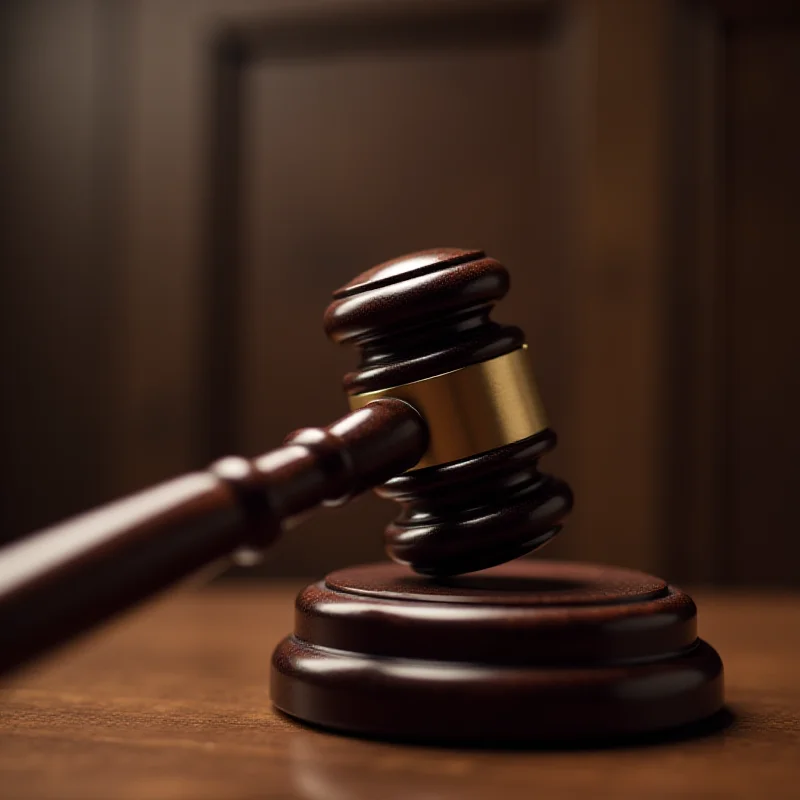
x,y
714,725
338,767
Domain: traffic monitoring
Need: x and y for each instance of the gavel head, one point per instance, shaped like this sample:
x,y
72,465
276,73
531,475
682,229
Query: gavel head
x,y
422,325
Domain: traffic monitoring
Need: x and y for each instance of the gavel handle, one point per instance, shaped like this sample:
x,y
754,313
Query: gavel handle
x,y
63,581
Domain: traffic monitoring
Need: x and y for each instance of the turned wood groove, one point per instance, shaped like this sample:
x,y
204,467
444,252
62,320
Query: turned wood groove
x,y
528,652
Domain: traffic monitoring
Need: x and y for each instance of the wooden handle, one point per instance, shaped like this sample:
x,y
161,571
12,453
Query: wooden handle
x,y
64,580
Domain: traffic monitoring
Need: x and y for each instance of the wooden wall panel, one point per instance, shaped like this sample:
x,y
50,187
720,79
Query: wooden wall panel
x,y
694,298
762,241
56,326
618,290
733,354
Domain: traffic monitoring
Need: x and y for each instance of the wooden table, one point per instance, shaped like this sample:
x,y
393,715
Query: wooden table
x,y
172,702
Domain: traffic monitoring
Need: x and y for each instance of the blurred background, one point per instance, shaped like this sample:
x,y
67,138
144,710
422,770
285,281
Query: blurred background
x,y
183,185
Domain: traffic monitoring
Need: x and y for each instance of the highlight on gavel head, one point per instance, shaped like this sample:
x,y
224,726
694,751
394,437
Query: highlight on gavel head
x,y
423,328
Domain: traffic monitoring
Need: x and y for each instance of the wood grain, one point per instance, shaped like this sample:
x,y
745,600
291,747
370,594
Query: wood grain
x,y
173,703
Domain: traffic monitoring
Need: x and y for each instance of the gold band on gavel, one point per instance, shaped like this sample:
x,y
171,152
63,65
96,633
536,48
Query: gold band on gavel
x,y
473,409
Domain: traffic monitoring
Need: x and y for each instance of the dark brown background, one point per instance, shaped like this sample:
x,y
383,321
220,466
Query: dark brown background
x,y
183,185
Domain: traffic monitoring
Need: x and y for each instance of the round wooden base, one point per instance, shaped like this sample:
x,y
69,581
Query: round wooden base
x,y
528,651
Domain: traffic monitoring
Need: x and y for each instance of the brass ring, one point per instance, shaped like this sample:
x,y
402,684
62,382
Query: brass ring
x,y
474,409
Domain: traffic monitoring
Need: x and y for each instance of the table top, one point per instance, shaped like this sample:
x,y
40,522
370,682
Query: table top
x,y
172,702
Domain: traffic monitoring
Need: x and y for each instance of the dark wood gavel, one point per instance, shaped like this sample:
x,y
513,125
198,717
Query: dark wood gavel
x,y
446,420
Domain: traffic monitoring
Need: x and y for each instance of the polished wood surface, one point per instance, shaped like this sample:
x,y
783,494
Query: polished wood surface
x,y
545,651
396,311
64,580
173,703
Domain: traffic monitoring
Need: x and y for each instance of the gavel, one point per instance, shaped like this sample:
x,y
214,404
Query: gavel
x,y
451,642
445,419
